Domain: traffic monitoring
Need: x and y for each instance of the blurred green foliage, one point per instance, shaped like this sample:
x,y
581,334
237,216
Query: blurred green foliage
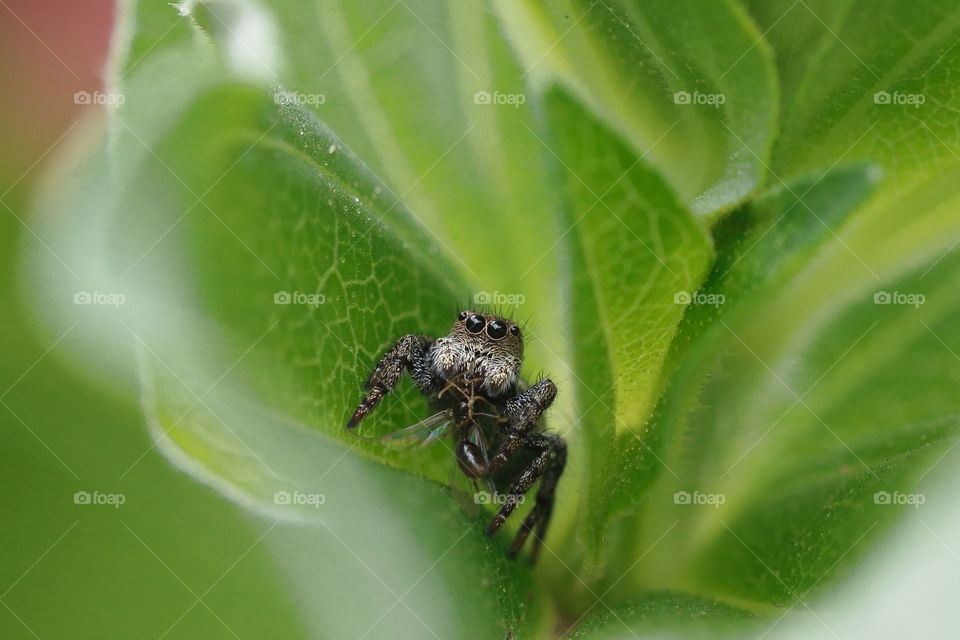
x,y
732,237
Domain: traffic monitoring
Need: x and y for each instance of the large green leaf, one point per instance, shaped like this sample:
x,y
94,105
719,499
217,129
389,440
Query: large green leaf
x,y
761,249
880,600
239,200
332,514
796,435
875,86
634,248
469,170
883,599
845,93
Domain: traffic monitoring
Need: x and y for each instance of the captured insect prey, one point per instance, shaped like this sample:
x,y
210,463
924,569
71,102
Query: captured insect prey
x,y
471,380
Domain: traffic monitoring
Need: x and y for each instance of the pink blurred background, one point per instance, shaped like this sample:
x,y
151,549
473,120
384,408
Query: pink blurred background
x,y
49,50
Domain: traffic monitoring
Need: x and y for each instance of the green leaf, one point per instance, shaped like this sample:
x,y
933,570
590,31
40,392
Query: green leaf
x,y
848,94
760,248
919,557
667,616
250,201
634,248
837,63
690,84
785,428
332,513
469,171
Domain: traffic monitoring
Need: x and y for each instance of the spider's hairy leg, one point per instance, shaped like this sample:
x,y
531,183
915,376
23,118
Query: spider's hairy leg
x,y
407,354
553,459
523,413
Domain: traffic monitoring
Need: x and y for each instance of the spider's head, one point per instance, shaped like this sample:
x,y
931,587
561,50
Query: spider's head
x,y
488,345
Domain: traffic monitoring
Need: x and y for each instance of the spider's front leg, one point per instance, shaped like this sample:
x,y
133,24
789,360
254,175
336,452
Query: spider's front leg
x,y
407,354
522,413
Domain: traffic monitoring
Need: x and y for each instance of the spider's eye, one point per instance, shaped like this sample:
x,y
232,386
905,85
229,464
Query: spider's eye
x,y
463,315
515,330
475,324
496,329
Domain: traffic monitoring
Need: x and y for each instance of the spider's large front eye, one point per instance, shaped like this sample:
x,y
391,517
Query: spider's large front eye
x,y
496,329
475,324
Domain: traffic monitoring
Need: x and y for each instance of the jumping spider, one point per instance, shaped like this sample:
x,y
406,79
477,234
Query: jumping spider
x,y
471,379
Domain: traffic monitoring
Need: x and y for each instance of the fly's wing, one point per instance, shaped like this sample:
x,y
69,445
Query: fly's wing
x,y
476,436
421,434
472,492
